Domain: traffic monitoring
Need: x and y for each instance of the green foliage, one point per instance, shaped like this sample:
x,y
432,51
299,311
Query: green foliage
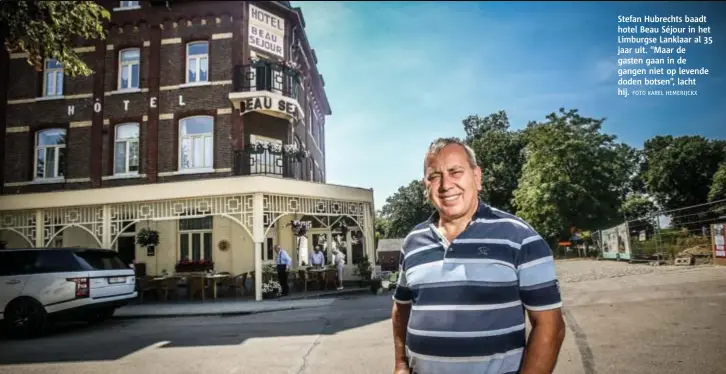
x,y
406,208
570,177
50,29
678,171
363,268
147,237
500,156
718,187
637,206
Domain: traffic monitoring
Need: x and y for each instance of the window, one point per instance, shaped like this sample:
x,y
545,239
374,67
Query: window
x,y
196,145
129,4
293,86
198,62
94,259
268,246
266,163
195,239
315,127
52,78
126,149
128,72
50,154
297,170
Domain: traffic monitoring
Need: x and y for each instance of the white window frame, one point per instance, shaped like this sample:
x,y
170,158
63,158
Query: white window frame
x,y
56,161
191,153
198,59
266,156
128,142
190,236
54,72
128,65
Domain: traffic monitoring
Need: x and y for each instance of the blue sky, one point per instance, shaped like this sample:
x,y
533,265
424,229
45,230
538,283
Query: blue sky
x,y
400,74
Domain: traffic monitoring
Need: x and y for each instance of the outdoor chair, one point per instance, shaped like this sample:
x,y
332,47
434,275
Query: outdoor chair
x,y
143,285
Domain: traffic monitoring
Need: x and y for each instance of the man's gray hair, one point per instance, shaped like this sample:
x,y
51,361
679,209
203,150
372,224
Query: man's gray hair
x,y
439,144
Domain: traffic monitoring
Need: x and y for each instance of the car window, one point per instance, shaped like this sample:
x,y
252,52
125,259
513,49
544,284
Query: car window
x,y
56,261
100,260
17,262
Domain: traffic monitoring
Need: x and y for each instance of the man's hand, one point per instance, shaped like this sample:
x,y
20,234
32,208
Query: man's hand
x,y
402,369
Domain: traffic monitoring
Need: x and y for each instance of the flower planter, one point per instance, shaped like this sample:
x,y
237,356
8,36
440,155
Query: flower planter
x,y
269,295
193,267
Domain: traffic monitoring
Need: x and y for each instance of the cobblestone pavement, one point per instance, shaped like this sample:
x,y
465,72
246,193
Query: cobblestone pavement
x,y
663,320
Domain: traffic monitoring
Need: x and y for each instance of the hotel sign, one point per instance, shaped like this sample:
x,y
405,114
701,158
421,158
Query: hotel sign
x,y
266,32
278,106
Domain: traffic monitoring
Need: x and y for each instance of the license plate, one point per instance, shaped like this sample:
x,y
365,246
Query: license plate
x,y
115,280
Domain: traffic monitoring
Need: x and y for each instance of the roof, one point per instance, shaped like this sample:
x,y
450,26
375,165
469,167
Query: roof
x,y
389,245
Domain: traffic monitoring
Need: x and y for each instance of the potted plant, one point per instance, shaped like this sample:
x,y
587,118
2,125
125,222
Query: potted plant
x,y
148,239
271,289
376,285
363,269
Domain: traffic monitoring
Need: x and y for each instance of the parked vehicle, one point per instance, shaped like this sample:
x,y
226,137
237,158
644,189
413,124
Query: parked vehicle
x,y
40,285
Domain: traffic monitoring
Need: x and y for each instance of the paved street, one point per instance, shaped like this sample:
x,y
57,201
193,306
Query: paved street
x,y
659,321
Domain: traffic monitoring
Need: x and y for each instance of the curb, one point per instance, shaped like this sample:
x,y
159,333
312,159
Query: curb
x,y
232,313
214,314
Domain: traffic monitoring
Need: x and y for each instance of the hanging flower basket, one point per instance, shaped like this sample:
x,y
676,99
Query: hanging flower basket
x,y
147,238
299,228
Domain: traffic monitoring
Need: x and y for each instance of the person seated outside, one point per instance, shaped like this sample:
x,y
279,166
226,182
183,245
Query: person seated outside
x,y
317,258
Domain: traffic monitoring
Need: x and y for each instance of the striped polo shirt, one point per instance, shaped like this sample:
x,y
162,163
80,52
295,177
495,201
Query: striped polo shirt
x,y
468,297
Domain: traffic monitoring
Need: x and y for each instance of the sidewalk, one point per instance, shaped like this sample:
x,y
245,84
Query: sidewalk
x,y
231,307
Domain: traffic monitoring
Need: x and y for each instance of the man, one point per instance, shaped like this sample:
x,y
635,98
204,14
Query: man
x,y
283,265
339,261
317,258
466,277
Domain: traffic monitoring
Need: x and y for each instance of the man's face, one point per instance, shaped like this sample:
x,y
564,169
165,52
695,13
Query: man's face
x,y
277,249
451,183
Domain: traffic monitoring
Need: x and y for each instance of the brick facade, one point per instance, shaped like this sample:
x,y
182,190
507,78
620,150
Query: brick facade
x,y
92,107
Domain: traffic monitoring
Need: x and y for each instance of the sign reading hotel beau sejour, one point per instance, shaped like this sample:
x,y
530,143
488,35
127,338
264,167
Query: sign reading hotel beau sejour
x,y
267,32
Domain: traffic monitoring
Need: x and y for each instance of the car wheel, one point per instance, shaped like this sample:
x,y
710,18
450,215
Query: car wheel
x,y
25,318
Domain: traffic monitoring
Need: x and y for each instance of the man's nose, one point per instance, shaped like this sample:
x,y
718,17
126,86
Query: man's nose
x,y
446,183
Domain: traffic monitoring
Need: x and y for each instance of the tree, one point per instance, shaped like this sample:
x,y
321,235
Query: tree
x,y
718,187
637,206
570,177
406,208
679,171
499,155
50,29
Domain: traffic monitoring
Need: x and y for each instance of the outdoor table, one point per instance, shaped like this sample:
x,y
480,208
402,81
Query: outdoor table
x,y
213,277
320,275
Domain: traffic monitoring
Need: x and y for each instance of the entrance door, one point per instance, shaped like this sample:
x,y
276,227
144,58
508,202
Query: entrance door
x,y
126,247
318,238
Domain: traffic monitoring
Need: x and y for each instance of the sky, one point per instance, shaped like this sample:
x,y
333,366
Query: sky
x,y
400,74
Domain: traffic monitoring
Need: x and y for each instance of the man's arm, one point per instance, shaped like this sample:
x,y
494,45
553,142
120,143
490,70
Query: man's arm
x,y
545,340
402,298
400,315
540,295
